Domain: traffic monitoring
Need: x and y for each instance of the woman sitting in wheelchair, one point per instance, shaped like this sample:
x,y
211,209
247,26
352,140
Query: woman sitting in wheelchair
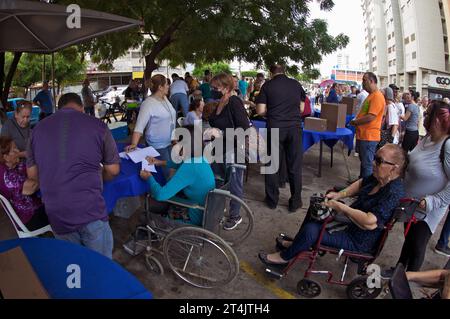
x,y
377,198
194,177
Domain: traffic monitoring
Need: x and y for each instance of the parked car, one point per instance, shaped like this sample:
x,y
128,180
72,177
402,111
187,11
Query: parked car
x,y
106,95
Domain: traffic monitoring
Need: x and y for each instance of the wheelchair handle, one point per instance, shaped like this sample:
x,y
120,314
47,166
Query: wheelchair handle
x,y
409,200
221,192
238,166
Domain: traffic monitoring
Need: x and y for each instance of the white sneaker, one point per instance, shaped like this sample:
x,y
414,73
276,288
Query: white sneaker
x,y
231,224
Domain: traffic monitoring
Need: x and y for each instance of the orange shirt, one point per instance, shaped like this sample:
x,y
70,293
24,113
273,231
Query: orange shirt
x,y
374,104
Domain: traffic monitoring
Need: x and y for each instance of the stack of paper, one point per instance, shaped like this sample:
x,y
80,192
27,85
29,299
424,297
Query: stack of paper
x,y
139,156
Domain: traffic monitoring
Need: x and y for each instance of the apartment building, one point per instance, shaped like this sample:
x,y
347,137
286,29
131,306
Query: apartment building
x,y
417,45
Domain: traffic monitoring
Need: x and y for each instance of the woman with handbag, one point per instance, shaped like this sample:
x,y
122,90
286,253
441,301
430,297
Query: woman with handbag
x,y
230,114
427,179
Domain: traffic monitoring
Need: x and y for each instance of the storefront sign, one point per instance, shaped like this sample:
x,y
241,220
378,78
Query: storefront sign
x,y
439,81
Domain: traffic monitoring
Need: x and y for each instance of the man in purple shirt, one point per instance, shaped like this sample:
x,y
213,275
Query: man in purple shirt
x,y
67,154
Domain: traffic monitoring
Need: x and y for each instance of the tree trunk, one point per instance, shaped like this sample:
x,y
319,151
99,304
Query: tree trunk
x,y
3,116
163,42
2,73
9,77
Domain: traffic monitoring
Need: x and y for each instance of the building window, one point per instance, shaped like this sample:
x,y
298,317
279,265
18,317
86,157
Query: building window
x,y
413,37
374,59
389,50
390,63
389,37
414,55
406,40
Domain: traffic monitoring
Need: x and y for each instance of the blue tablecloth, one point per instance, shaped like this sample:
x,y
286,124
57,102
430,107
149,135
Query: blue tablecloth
x,y
330,138
128,183
101,278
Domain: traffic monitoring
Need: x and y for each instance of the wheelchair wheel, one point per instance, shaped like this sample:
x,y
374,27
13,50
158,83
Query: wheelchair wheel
x,y
154,265
308,288
200,257
358,289
238,235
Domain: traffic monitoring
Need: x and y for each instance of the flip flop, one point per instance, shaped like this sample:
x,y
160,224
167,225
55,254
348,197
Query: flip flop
x,y
263,257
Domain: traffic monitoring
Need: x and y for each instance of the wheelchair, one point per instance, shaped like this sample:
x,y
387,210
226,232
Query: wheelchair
x,y
201,256
358,287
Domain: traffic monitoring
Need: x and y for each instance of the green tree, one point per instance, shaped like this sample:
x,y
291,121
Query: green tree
x,y
205,31
215,68
69,68
249,74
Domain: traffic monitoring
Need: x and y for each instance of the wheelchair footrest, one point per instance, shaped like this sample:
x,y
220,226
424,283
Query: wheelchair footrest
x,y
275,273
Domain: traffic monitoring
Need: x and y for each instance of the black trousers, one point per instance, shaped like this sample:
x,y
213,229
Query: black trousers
x,y
415,245
290,150
410,140
38,220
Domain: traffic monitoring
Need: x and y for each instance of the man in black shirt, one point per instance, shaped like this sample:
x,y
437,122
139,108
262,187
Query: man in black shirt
x,y
281,100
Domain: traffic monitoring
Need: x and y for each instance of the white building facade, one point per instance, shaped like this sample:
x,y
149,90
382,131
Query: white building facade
x,y
417,45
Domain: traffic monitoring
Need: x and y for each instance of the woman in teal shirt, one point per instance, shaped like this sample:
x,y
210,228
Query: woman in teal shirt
x,y
193,176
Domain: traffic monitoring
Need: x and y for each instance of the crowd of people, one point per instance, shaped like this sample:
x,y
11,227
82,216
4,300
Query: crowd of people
x,y
401,140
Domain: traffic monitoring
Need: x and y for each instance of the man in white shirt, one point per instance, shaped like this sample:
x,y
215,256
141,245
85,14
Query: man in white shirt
x,y
361,97
179,94
392,116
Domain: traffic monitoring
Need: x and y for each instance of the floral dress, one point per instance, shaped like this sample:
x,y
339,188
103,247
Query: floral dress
x,y
11,184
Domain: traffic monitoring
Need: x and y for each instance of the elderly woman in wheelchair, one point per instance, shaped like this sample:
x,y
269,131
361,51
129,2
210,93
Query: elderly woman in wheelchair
x,y
377,198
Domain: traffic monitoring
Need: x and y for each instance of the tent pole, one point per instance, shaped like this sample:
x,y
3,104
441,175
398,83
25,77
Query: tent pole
x,y
43,70
53,81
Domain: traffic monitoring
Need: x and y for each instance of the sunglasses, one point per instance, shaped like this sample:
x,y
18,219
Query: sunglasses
x,y
378,160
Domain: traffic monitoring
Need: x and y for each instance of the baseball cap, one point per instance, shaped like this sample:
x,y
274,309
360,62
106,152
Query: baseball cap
x,y
394,87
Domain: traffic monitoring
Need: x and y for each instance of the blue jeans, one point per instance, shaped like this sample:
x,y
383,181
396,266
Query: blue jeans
x,y
366,151
96,236
165,156
308,235
180,100
237,189
445,234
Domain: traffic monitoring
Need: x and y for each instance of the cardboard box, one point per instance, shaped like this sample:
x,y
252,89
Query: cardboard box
x,y
315,124
335,114
17,277
351,104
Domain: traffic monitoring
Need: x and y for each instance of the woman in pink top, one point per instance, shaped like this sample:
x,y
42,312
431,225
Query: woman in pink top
x,y
15,187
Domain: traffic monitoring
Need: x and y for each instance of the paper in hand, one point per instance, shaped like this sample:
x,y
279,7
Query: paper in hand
x,y
139,155
148,167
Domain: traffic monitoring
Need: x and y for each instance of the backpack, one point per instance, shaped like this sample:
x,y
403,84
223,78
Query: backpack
x,y
308,110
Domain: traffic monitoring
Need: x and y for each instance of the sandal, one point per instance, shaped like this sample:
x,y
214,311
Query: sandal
x,y
279,242
263,257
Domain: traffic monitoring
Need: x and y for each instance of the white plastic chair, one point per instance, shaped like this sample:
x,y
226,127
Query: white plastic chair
x,y
21,229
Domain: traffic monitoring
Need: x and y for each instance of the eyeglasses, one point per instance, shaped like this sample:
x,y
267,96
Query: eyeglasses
x,y
378,160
